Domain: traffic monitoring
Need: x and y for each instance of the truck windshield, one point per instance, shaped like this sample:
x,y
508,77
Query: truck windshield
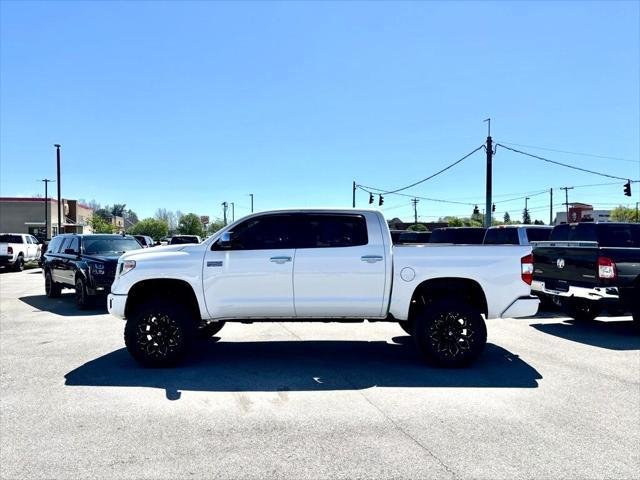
x,y
108,245
10,238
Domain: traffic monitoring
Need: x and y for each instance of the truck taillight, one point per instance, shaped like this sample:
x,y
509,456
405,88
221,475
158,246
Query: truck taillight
x,y
526,263
10,250
606,268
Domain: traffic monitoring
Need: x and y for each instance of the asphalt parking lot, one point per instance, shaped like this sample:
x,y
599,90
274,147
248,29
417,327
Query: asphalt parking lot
x,y
549,398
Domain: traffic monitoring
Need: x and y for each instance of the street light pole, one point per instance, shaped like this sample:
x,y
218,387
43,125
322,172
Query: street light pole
x,y
224,212
251,195
233,212
46,207
59,198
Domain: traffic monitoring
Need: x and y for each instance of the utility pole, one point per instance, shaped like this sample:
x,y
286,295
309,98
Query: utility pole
x,y
233,212
224,212
251,195
487,218
353,201
566,202
46,207
59,198
551,206
415,210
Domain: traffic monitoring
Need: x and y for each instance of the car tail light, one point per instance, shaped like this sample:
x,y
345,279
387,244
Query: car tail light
x,y
606,268
526,264
10,250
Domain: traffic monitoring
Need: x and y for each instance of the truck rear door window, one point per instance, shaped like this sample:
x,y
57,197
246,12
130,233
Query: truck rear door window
x,y
538,234
330,231
10,238
619,235
501,236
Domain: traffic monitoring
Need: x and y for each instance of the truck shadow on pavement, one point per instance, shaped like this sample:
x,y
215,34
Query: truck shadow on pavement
x,y
281,366
611,334
64,306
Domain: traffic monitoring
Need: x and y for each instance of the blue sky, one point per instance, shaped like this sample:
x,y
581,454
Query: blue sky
x,y
186,105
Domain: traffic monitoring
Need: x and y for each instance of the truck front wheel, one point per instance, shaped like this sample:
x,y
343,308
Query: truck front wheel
x,y
450,333
159,333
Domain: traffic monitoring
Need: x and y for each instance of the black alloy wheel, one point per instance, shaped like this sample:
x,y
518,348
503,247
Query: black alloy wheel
x,y
450,333
159,333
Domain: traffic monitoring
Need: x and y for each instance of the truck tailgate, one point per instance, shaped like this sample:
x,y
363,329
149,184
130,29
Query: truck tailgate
x,y
559,265
3,248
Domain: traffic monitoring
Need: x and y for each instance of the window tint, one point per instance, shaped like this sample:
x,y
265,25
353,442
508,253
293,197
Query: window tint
x,y
28,239
264,233
502,236
35,240
54,246
560,233
442,235
65,244
619,235
583,232
75,244
538,234
109,245
331,231
471,236
6,238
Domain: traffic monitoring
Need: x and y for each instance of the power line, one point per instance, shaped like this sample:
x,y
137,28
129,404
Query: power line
x,y
560,163
573,153
379,191
435,174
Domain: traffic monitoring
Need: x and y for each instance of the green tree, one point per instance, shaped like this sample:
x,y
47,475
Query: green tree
x,y
624,214
538,222
118,209
214,226
507,218
190,224
418,227
526,218
100,225
452,221
156,229
103,213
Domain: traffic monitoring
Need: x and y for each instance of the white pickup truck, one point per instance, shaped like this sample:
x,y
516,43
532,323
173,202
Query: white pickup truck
x,y
16,249
318,265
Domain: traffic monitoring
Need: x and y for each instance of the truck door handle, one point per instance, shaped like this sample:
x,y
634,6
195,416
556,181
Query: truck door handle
x,y
280,259
371,258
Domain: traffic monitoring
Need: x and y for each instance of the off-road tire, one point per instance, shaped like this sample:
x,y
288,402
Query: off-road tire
x,y
209,330
159,333
450,333
407,326
51,288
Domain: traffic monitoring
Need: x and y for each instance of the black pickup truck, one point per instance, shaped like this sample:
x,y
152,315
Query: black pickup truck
x,y
588,267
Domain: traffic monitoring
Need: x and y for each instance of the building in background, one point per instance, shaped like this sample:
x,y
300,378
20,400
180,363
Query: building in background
x,y
582,212
27,215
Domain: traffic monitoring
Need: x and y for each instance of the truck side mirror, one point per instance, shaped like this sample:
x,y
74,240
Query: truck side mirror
x,y
225,241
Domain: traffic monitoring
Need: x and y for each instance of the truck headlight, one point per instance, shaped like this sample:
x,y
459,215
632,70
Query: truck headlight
x,y
126,266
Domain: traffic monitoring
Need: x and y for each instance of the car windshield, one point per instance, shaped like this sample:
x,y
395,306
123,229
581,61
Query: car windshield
x,y
10,238
109,245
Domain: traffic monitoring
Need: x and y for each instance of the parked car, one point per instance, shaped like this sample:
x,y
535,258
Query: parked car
x,y
183,239
18,249
84,262
516,234
414,237
318,265
587,267
458,235
145,240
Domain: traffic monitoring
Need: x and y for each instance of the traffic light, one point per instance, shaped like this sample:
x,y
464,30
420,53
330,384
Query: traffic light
x,y
370,198
627,188
493,207
380,201
476,210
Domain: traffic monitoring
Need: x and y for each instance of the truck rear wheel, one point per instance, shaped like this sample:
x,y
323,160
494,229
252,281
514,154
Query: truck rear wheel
x,y
18,266
51,288
581,311
159,333
450,333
